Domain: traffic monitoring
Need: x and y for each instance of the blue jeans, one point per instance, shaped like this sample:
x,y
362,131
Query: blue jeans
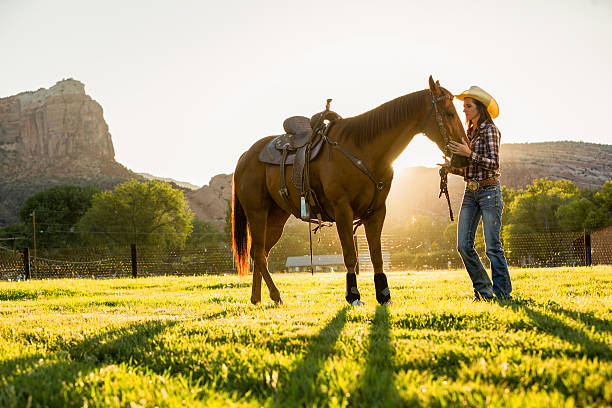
x,y
486,203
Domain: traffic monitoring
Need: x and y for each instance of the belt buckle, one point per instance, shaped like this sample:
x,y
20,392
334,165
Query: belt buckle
x,y
472,185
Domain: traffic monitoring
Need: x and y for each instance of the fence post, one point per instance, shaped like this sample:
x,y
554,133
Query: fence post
x,y
587,247
134,262
26,262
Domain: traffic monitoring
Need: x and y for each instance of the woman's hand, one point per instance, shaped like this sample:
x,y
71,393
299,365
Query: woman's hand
x,y
460,149
447,167
446,162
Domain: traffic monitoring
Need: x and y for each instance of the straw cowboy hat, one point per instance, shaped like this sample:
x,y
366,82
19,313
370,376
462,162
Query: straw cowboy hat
x,y
481,95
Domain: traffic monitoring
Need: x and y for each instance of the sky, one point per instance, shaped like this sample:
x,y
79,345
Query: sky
x,y
187,86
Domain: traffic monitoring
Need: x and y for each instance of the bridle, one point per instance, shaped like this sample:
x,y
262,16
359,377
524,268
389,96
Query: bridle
x,y
445,136
439,120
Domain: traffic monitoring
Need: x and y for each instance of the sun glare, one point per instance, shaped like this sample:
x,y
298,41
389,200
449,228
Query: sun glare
x,y
420,152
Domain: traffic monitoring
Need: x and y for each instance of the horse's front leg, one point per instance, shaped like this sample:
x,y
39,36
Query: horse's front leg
x,y
344,223
373,228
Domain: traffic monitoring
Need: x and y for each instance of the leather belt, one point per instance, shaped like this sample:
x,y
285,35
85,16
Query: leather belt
x,y
474,185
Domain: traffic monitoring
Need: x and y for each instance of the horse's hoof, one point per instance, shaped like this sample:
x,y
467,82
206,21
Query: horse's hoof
x,y
387,303
276,298
357,302
255,301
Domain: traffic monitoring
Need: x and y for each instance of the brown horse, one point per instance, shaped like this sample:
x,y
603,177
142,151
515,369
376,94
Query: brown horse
x,y
345,192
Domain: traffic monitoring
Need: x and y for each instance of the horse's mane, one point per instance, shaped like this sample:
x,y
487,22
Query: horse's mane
x,y
365,127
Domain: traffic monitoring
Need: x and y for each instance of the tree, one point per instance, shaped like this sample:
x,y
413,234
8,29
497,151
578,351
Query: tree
x,y
590,210
603,199
508,196
57,210
16,230
574,214
205,235
537,205
144,213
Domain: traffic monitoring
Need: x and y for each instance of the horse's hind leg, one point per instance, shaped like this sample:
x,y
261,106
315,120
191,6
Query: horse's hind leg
x,y
256,287
274,229
258,227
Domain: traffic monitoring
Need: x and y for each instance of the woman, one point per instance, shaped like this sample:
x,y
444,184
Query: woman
x,y
482,197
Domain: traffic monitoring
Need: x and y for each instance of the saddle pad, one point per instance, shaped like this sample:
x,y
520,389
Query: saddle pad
x,y
272,155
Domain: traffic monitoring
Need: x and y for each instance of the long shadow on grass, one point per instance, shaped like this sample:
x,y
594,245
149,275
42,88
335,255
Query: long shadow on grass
x,y
300,386
552,325
377,387
50,380
581,317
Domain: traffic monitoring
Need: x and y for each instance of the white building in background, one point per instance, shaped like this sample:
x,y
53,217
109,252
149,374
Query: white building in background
x,y
332,263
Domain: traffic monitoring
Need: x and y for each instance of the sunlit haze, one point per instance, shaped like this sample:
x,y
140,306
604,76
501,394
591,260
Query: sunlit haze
x,y
187,86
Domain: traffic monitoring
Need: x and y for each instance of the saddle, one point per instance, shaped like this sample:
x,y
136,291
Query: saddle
x,y
290,148
299,134
301,144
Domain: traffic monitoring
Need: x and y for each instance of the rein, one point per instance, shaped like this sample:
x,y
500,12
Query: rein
x,y
444,133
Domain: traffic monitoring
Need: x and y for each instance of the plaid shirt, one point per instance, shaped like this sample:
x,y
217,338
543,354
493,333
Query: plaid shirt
x,y
484,160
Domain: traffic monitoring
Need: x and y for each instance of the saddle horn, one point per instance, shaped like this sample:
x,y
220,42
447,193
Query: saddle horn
x,y
317,119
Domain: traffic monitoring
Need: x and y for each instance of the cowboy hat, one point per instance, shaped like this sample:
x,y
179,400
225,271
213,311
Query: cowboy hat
x,y
481,95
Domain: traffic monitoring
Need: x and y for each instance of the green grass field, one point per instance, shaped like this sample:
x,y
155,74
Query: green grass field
x,y
197,341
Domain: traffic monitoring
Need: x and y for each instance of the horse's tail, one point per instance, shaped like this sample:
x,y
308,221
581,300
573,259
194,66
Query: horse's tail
x,y
241,236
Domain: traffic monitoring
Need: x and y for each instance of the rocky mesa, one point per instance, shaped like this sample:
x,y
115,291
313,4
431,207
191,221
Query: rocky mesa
x,y
53,136
54,123
59,136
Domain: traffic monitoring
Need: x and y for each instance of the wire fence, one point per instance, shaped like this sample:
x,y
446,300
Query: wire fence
x,y
11,264
522,250
544,250
112,262
193,261
601,246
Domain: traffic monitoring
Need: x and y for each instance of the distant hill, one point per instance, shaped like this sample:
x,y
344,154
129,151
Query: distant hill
x,y
415,190
182,184
586,164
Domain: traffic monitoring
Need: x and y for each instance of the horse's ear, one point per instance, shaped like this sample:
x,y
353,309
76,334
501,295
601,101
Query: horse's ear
x,y
434,86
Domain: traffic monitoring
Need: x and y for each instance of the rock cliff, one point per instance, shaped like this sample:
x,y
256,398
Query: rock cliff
x,y
50,137
210,203
53,123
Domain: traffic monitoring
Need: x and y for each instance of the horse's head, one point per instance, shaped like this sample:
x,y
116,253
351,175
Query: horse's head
x,y
442,123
